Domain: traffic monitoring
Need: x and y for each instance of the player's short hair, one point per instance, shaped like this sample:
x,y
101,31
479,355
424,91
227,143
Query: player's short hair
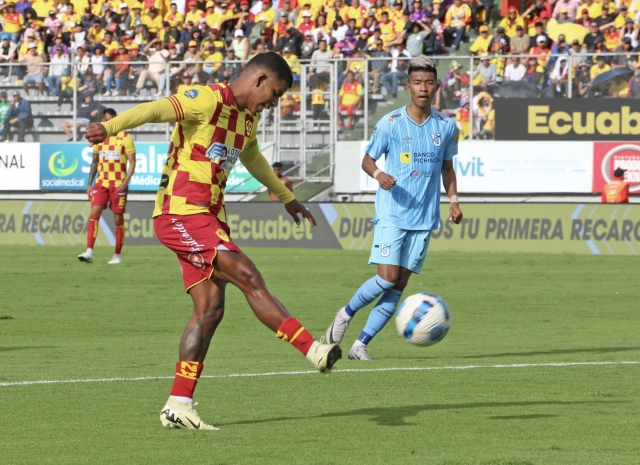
x,y
277,165
273,62
423,64
110,111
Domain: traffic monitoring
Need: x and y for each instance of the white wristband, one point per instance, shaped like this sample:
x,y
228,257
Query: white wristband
x,y
376,173
453,199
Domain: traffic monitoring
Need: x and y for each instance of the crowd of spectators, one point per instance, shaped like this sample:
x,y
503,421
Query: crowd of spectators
x,y
123,47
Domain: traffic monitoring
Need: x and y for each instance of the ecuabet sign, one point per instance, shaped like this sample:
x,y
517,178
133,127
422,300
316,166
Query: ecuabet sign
x,y
567,119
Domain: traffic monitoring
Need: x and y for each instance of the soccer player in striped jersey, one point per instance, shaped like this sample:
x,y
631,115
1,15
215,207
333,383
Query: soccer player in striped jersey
x,y
216,125
110,159
418,143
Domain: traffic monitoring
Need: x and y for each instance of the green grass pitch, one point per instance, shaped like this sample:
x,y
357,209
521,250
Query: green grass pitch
x,y
72,321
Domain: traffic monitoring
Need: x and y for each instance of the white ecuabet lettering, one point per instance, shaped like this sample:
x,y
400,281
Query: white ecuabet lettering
x,y
186,237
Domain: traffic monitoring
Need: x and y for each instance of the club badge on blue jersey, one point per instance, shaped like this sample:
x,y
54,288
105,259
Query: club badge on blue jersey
x,y
385,249
436,139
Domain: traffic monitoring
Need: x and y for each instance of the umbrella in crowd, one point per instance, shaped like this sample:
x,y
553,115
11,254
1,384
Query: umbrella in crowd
x,y
570,31
603,82
517,89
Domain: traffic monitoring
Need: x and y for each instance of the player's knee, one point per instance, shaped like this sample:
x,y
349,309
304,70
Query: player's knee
x,y
388,275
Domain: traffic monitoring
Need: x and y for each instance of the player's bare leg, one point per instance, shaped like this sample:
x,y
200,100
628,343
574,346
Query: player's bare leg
x,y
118,219
92,233
239,270
208,309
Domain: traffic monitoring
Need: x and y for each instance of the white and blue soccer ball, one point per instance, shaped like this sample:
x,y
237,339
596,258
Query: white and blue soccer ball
x,y
423,319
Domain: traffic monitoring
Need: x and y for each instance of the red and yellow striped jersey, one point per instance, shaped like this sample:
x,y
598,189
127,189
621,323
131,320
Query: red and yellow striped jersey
x,y
112,166
209,136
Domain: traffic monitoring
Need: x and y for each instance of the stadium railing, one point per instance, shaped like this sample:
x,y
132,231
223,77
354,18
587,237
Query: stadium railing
x,y
306,125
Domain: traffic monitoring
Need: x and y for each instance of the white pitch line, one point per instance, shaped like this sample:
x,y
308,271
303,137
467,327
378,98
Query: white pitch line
x,y
309,372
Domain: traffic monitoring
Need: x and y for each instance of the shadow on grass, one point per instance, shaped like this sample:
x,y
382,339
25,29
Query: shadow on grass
x,y
8,349
397,416
523,417
593,350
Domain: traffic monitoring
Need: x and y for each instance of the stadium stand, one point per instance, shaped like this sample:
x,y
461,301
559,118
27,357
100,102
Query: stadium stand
x,y
349,57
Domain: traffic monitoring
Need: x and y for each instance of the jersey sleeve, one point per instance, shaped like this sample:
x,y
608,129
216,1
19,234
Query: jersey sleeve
x,y
259,168
129,148
175,108
379,142
452,145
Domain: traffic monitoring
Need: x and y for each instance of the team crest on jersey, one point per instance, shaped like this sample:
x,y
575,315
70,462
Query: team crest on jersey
x,y
222,235
223,155
197,260
191,93
248,127
385,249
436,139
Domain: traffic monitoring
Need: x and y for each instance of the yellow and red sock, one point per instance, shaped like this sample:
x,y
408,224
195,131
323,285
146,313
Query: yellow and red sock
x,y
92,230
119,237
295,334
187,374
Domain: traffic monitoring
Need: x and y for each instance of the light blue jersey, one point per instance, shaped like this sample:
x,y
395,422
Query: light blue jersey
x,y
414,155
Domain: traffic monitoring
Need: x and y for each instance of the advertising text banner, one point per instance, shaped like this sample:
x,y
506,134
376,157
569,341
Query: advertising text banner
x,y
609,156
501,227
49,222
66,166
614,119
19,166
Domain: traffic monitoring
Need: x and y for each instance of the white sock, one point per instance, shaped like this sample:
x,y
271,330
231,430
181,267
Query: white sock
x,y
359,343
116,255
312,351
343,314
89,251
184,400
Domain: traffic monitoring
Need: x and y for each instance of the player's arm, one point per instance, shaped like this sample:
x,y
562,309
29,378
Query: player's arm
x,y
93,170
449,176
166,110
369,166
378,145
130,150
259,168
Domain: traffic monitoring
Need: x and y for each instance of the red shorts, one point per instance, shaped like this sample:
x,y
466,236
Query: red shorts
x,y
350,109
195,239
102,196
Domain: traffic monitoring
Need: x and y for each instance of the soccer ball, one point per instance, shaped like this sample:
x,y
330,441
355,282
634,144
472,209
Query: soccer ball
x,y
423,319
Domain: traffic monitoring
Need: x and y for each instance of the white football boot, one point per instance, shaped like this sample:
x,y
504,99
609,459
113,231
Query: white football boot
x,y
176,414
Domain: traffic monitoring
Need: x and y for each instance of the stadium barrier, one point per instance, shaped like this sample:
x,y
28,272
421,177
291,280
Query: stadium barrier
x,y
65,167
503,167
544,228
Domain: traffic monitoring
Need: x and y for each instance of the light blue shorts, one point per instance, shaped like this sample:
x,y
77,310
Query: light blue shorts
x,y
400,247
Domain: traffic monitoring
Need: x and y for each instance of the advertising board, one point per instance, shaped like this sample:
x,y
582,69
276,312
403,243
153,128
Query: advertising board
x,y
607,119
66,166
486,227
609,156
19,166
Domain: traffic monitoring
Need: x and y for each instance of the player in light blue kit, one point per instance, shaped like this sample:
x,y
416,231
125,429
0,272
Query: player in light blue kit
x,y
419,144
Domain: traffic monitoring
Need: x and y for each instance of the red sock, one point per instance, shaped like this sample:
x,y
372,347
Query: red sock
x,y
295,334
119,237
187,374
92,230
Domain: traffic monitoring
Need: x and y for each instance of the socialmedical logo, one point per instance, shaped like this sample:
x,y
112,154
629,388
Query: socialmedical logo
x,y
59,167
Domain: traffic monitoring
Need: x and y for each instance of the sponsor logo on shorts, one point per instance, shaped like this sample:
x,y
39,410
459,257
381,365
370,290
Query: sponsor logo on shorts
x,y
385,249
197,260
186,237
222,235
191,93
